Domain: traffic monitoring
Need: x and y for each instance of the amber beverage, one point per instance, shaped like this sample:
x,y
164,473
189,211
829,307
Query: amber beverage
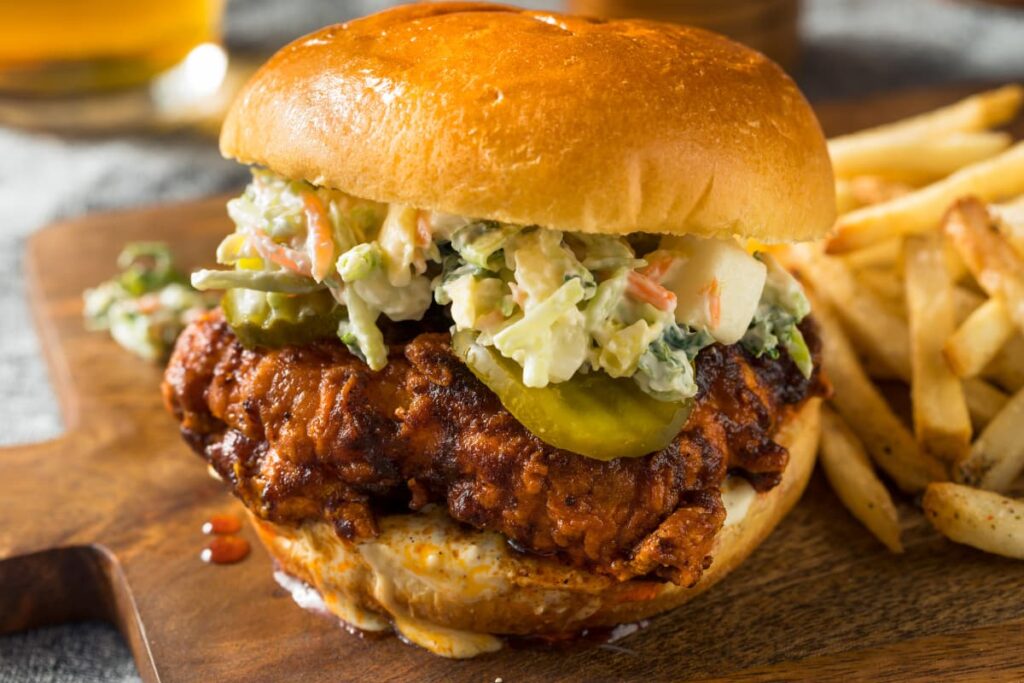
x,y
60,47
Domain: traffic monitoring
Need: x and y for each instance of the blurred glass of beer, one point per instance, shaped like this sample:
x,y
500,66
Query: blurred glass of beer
x,y
770,26
60,47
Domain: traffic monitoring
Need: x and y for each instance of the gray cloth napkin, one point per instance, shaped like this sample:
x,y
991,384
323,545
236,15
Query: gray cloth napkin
x,y
852,47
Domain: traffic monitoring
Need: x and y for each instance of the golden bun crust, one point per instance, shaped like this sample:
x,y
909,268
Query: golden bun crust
x,y
538,118
447,588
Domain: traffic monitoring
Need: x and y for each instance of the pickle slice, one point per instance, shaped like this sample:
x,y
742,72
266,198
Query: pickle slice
x,y
274,319
591,414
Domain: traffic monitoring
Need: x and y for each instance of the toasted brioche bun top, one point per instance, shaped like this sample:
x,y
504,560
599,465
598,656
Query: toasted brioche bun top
x,y
543,119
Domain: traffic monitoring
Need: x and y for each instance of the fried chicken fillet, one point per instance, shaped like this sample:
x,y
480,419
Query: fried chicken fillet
x,y
311,433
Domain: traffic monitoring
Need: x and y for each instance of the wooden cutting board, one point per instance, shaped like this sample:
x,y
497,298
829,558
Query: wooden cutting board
x,y
104,522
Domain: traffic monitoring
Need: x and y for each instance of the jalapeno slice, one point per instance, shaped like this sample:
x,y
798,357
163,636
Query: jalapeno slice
x,y
591,414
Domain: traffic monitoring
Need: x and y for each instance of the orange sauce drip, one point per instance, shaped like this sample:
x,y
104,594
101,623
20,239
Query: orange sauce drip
x,y
225,550
222,524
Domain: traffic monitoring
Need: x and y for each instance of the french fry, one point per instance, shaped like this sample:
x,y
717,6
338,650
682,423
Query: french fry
x,y
978,339
881,335
993,262
920,211
868,190
1007,368
982,519
997,457
853,478
977,112
984,401
954,264
965,302
887,440
941,421
885,254
1010,216
912,159
884,283
878,331
846,201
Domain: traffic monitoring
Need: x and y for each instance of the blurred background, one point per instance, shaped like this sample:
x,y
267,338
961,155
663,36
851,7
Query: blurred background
x,y
107,104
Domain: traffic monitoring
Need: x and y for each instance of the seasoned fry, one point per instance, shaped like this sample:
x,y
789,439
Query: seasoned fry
x,y
920,211
852,477
868,190
912,159
877,330
882,337
928,284
941,422
1010,216
984,401
997,457
965,302
845,199
885,254
887,440
993,262
880,334
954,264
978,339
1007,368
984,520
884,283
976,112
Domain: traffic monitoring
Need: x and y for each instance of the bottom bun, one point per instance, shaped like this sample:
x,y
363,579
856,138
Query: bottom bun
x,y
454,590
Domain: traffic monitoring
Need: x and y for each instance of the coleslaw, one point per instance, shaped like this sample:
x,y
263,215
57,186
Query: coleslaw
x,y
557,303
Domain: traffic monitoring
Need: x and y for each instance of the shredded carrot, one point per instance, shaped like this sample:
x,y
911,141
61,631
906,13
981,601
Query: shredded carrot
x,y
423,229
148,304
645,289
714,299
518,295
321,241
657,268
281,255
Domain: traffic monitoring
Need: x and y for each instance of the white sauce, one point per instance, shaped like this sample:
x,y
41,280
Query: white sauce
x,y
304,595
737,496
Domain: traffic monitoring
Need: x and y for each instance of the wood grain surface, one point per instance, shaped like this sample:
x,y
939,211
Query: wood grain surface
x,y
105,522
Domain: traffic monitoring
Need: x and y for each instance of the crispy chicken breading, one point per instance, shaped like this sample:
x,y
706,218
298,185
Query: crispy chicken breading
x,y
311,432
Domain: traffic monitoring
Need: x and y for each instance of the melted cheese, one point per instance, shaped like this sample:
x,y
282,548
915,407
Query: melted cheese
x,y
427,555
440,563
419,553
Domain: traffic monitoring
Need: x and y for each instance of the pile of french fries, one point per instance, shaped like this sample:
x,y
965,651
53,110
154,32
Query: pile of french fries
x,y
922,284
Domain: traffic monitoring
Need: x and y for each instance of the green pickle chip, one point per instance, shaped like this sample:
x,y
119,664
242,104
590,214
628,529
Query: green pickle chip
x,y
272,319
591,414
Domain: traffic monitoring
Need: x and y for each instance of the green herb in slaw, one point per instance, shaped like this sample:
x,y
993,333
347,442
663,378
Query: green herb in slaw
x,y
147,305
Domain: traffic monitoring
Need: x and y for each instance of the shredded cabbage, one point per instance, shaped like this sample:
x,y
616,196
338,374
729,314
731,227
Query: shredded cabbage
x,y
665,369
147,306
783,305
479,242
557,303
359,261
548,340
360,332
